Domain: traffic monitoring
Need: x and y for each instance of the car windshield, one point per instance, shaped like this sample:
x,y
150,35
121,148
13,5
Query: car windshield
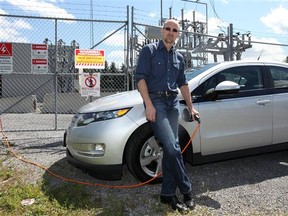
x,y
190,74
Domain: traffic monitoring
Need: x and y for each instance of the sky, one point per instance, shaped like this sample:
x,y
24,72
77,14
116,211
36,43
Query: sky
x,y
265,20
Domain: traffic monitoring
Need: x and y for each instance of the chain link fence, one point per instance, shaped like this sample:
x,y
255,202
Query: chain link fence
x,y
36,96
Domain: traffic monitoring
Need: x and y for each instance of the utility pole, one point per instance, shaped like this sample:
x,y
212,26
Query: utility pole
x,y
91,25
206,11
230,44
161,11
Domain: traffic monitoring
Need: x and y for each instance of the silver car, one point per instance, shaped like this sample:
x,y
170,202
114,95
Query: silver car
x,y
243,108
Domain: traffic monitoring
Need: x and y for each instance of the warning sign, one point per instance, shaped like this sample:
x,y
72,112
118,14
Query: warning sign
x,y
90,84
6,58
5,49
39,57
39,51
90,81
39,66
91,59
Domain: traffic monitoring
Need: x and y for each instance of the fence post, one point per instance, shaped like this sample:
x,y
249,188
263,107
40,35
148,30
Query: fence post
x,y
56,73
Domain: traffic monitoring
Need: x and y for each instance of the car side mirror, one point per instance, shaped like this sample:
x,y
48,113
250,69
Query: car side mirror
x,y
223,88
227,87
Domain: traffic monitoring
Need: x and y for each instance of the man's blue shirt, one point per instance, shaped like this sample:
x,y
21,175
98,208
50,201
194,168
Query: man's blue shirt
x,y
162,70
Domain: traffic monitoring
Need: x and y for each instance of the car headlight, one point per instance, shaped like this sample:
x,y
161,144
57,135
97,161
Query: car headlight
x,y
86,118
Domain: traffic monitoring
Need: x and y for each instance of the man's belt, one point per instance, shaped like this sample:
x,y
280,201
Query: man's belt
x,y
163,93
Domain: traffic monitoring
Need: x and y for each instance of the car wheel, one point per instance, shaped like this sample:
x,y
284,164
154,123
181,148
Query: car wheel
x,y
144,155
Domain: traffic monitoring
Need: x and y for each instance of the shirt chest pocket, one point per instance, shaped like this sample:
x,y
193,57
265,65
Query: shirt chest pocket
x,y
158,65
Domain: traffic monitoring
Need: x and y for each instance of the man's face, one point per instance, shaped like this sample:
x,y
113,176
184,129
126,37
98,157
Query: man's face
x,y
170,32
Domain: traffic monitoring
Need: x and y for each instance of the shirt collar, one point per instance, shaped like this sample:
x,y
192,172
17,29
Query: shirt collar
x,y
161,45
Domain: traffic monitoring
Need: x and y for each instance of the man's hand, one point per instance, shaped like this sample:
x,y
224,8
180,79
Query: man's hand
x,y
195,114
150,113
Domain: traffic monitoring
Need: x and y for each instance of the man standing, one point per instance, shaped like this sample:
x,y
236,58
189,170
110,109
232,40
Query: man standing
x,y
159,72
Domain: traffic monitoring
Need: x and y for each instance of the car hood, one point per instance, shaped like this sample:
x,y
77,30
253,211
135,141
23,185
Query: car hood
x,y
115,101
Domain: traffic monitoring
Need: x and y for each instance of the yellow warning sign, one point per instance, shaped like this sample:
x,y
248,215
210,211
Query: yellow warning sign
x,y
94,59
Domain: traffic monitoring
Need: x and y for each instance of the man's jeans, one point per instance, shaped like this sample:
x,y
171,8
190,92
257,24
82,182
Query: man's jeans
x,y
166,132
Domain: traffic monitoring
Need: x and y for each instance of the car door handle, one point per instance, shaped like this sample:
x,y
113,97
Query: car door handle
x,y
262,102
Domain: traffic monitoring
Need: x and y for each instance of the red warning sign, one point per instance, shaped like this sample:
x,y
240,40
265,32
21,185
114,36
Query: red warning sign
x,y
39,47
39,61
90,82
5,49
39,56
6,58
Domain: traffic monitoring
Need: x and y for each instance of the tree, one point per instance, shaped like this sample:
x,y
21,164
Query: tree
x,y
113,67
123,68
106,69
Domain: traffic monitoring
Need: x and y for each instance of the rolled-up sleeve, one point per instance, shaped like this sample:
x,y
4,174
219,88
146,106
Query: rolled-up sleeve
x,y
182,80
144,64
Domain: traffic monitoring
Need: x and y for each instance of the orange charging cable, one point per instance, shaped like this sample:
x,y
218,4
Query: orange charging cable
x,y
6,143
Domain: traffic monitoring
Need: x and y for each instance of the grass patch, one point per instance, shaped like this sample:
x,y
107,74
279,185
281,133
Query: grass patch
x,y
61,200
52,196
55,197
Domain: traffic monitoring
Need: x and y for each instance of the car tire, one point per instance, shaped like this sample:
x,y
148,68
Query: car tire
x,y
144,155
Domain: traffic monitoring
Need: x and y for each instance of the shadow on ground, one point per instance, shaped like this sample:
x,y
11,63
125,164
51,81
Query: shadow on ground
x,y
208,177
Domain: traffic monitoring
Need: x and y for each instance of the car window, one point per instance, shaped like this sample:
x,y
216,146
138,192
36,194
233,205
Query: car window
x,y
190,74
279,76
248,77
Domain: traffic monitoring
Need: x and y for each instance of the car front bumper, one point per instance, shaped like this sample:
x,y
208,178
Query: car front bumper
x,y
113,134
102,171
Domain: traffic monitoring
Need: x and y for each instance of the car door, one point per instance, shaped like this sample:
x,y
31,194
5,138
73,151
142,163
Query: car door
x,y
279,79
235,122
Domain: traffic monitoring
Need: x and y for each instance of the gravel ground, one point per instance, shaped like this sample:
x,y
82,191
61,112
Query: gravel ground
x,y
248,186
